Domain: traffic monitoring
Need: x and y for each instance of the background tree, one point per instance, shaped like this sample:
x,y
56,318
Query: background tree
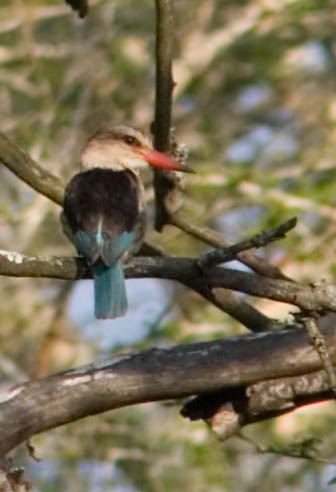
x,y
254,103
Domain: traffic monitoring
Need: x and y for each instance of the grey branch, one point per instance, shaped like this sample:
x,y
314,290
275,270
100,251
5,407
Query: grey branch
x,y
228,365
309,297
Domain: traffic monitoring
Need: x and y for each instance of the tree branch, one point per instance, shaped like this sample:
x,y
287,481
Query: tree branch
x,y
163,102
231,409
212,237
158,374
235,306
67,268
319,343
224,255
314,298
25,168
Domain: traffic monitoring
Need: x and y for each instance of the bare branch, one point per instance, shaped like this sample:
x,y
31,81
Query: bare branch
x,y
210,236
164,81
157,374
312,298
319,297
235,306
226,301
163,103
319,343
67,268
25,168
261,239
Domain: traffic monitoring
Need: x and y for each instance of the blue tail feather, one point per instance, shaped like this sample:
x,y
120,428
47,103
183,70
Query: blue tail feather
x,y
109,291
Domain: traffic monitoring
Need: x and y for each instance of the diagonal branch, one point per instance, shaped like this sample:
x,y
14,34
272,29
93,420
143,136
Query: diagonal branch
x,y
261,239
212,237
25,168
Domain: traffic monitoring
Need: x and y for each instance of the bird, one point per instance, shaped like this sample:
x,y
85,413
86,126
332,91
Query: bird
x,y
104,212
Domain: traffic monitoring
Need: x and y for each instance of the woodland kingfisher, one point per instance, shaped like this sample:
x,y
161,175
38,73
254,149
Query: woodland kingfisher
x,y
104,211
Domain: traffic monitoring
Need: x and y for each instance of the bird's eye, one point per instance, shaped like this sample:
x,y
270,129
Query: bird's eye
x,y
131,140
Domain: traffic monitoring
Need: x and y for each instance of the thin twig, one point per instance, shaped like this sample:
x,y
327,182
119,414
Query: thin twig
x,y
303,449
318,341
210,236
224,255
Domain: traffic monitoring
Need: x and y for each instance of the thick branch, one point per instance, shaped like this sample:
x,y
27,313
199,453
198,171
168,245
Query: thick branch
x,y
156,374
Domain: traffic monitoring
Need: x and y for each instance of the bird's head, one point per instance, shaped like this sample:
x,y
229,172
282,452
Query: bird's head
x,y
123,147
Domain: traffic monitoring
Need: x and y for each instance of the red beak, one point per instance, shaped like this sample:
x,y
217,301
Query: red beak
x,y
163,161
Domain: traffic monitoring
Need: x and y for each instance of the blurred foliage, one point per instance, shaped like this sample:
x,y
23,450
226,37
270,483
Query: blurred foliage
x,y
255,103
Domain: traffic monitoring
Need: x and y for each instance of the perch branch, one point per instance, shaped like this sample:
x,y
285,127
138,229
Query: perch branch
x,y
67,268
319,297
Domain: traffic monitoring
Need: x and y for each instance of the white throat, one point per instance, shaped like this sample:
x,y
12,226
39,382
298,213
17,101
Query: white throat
x,y
111,155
